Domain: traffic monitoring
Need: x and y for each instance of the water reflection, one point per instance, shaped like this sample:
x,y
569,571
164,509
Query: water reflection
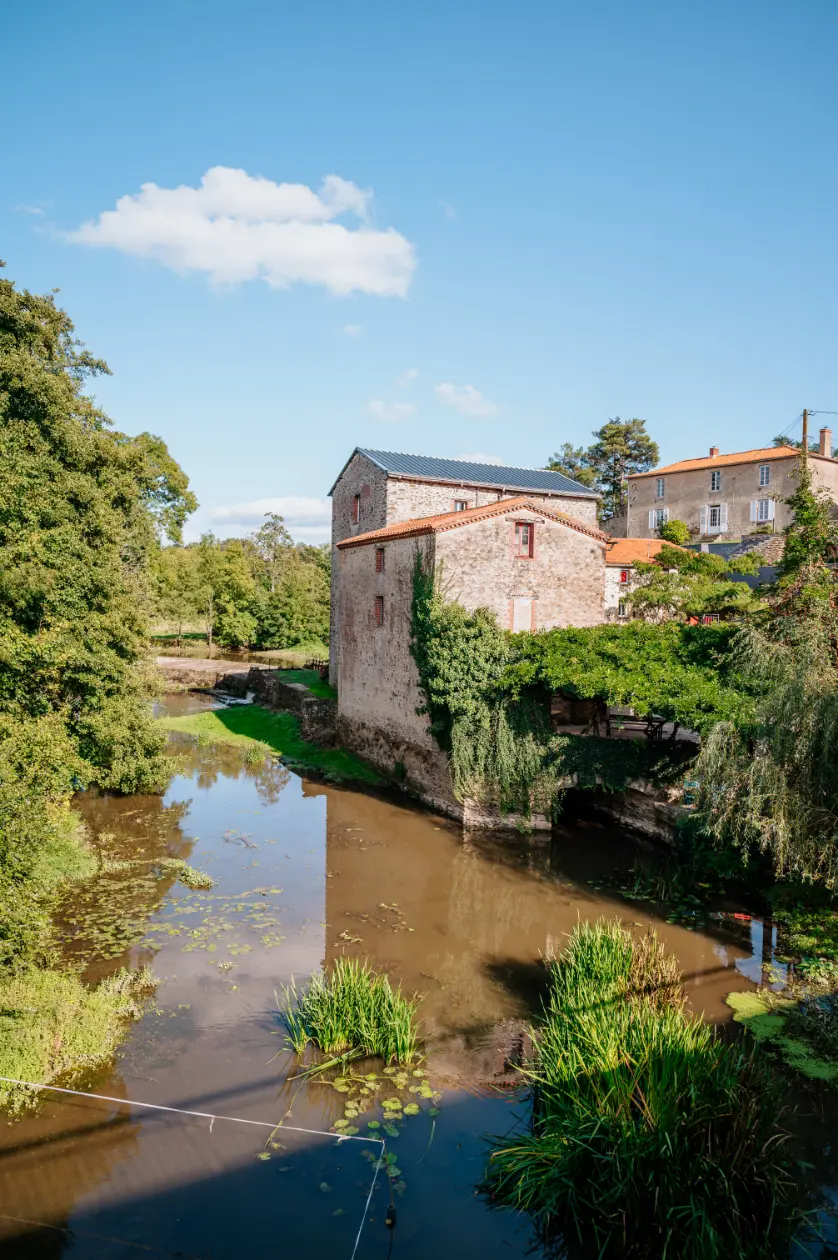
x,y
305,873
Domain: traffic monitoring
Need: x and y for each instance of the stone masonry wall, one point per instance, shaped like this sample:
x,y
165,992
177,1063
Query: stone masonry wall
x,y
365,478
565,577
686,492
407,500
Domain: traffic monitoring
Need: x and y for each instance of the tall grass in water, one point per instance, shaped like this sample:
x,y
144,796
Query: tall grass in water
x,y
354,1011
649,1137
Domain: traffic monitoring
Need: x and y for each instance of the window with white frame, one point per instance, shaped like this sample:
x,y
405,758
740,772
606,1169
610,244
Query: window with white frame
x,y
622,608
661,517
763,509
715,516
660,488
715,481
765,474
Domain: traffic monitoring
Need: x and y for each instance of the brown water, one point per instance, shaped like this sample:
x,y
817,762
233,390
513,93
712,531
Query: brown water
x,y
304,874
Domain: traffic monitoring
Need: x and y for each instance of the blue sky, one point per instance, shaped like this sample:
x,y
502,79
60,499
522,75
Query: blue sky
x,y
546,214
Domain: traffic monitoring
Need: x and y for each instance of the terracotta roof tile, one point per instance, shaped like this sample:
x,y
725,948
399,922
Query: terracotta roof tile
x,y
623,552
760,456
452,520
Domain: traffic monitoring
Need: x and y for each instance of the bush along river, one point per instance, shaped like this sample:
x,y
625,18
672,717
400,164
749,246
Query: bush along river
x,y
235,888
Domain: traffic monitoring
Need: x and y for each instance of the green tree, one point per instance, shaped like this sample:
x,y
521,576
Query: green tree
x,y
677,532
691,584
177,588
273,543
82,509
620,447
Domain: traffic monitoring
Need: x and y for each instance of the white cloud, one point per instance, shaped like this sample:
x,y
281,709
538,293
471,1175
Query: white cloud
x,y
34,210
407,378
448,210
465,399
237,227
479,458
391,411
307,519
353,330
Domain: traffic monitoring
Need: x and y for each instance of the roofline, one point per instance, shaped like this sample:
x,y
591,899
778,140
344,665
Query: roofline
x,y
464,481
782,453
471,516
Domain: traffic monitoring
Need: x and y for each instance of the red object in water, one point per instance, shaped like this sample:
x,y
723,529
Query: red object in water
x,y
745,917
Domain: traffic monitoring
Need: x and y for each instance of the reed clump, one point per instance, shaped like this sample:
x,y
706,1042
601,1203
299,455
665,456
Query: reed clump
x,y
649,1137
352,1012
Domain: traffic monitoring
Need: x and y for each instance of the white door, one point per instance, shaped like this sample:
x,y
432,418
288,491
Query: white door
x,y
522,614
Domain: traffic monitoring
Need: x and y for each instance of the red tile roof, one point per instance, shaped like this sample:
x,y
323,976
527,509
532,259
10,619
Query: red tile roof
x,y
760,456
451,520
624,552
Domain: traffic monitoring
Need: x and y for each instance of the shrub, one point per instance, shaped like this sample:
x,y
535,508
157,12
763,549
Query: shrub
x,y
648,1137
352,1012
677,532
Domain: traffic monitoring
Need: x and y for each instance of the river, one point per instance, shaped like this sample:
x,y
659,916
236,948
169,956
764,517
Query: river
x,y
305,873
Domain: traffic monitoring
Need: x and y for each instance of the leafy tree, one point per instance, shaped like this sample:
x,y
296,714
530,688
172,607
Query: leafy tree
x,y
814,444
177,587
690,584
620,447
272,542
677,532
297,611
82,508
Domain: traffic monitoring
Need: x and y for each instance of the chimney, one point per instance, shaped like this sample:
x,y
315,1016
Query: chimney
x,y
714,451
825,445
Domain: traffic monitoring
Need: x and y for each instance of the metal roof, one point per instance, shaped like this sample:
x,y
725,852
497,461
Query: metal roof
x,y
465,472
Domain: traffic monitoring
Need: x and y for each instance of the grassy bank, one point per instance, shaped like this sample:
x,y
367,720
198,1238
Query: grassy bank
x,y
311,679
247,724
54,1028
648,1137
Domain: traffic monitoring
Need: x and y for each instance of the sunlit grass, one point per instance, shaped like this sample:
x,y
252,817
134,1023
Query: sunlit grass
x,y
649,1136
352,1010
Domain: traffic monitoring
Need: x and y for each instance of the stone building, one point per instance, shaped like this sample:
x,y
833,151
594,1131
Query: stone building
x,y
725,496
532,564
378,488
621,556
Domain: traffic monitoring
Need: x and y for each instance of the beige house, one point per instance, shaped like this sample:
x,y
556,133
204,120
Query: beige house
x,y
378,488
533,565
621,557
725,496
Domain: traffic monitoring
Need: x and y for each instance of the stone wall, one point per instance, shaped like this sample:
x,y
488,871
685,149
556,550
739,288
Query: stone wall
x,y
565,578
407,500
362,477
318,716
686,492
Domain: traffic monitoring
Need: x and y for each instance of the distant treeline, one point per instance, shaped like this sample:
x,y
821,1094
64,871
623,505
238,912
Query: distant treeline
x,y
262,591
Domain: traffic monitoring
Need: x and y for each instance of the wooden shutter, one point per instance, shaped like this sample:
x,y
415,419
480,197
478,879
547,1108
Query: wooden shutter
x,y
652,515
522,614
771,506
723,518
702,518
754,510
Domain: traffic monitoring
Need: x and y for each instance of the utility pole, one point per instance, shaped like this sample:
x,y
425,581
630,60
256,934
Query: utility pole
x,y
805,435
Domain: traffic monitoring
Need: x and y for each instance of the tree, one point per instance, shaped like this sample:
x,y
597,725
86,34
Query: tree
x,y
177,587
677,532
814,444
621,447
82,509
272,542
687,584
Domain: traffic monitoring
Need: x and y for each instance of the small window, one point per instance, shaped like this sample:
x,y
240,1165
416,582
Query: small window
x,y
524,539
765,474
379,559
715,481
661,487
356,509
709,619
661,517
763,509
379,610
461,505
622,608
624,576
715,516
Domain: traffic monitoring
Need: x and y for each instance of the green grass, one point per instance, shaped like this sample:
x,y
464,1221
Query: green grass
x,y
354,1011
310,678
649,1137
54,1028
244,724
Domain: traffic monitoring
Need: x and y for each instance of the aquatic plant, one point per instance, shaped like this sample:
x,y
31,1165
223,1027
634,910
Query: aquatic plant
x,y
54,1027
350,1012
803,1031
255,752
188,875
649,1137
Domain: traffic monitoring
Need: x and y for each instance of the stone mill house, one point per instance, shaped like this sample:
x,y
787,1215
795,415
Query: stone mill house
x,y
523,542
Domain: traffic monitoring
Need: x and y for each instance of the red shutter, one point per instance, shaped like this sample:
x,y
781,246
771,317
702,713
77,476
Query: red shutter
x,y
379,610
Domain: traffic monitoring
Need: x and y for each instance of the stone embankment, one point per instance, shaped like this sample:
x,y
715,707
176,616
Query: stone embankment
x,y
317,716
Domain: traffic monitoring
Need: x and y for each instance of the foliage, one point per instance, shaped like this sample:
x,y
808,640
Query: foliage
x,y
81,509
352,1010
53,1027
620,448
245,725
809,543
675,531
311,679
648,1136
689,584
804,1033
679,672
814,444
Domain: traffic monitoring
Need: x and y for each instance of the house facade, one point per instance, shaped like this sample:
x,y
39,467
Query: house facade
x,y
380,488
533,565
621,557
726,496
